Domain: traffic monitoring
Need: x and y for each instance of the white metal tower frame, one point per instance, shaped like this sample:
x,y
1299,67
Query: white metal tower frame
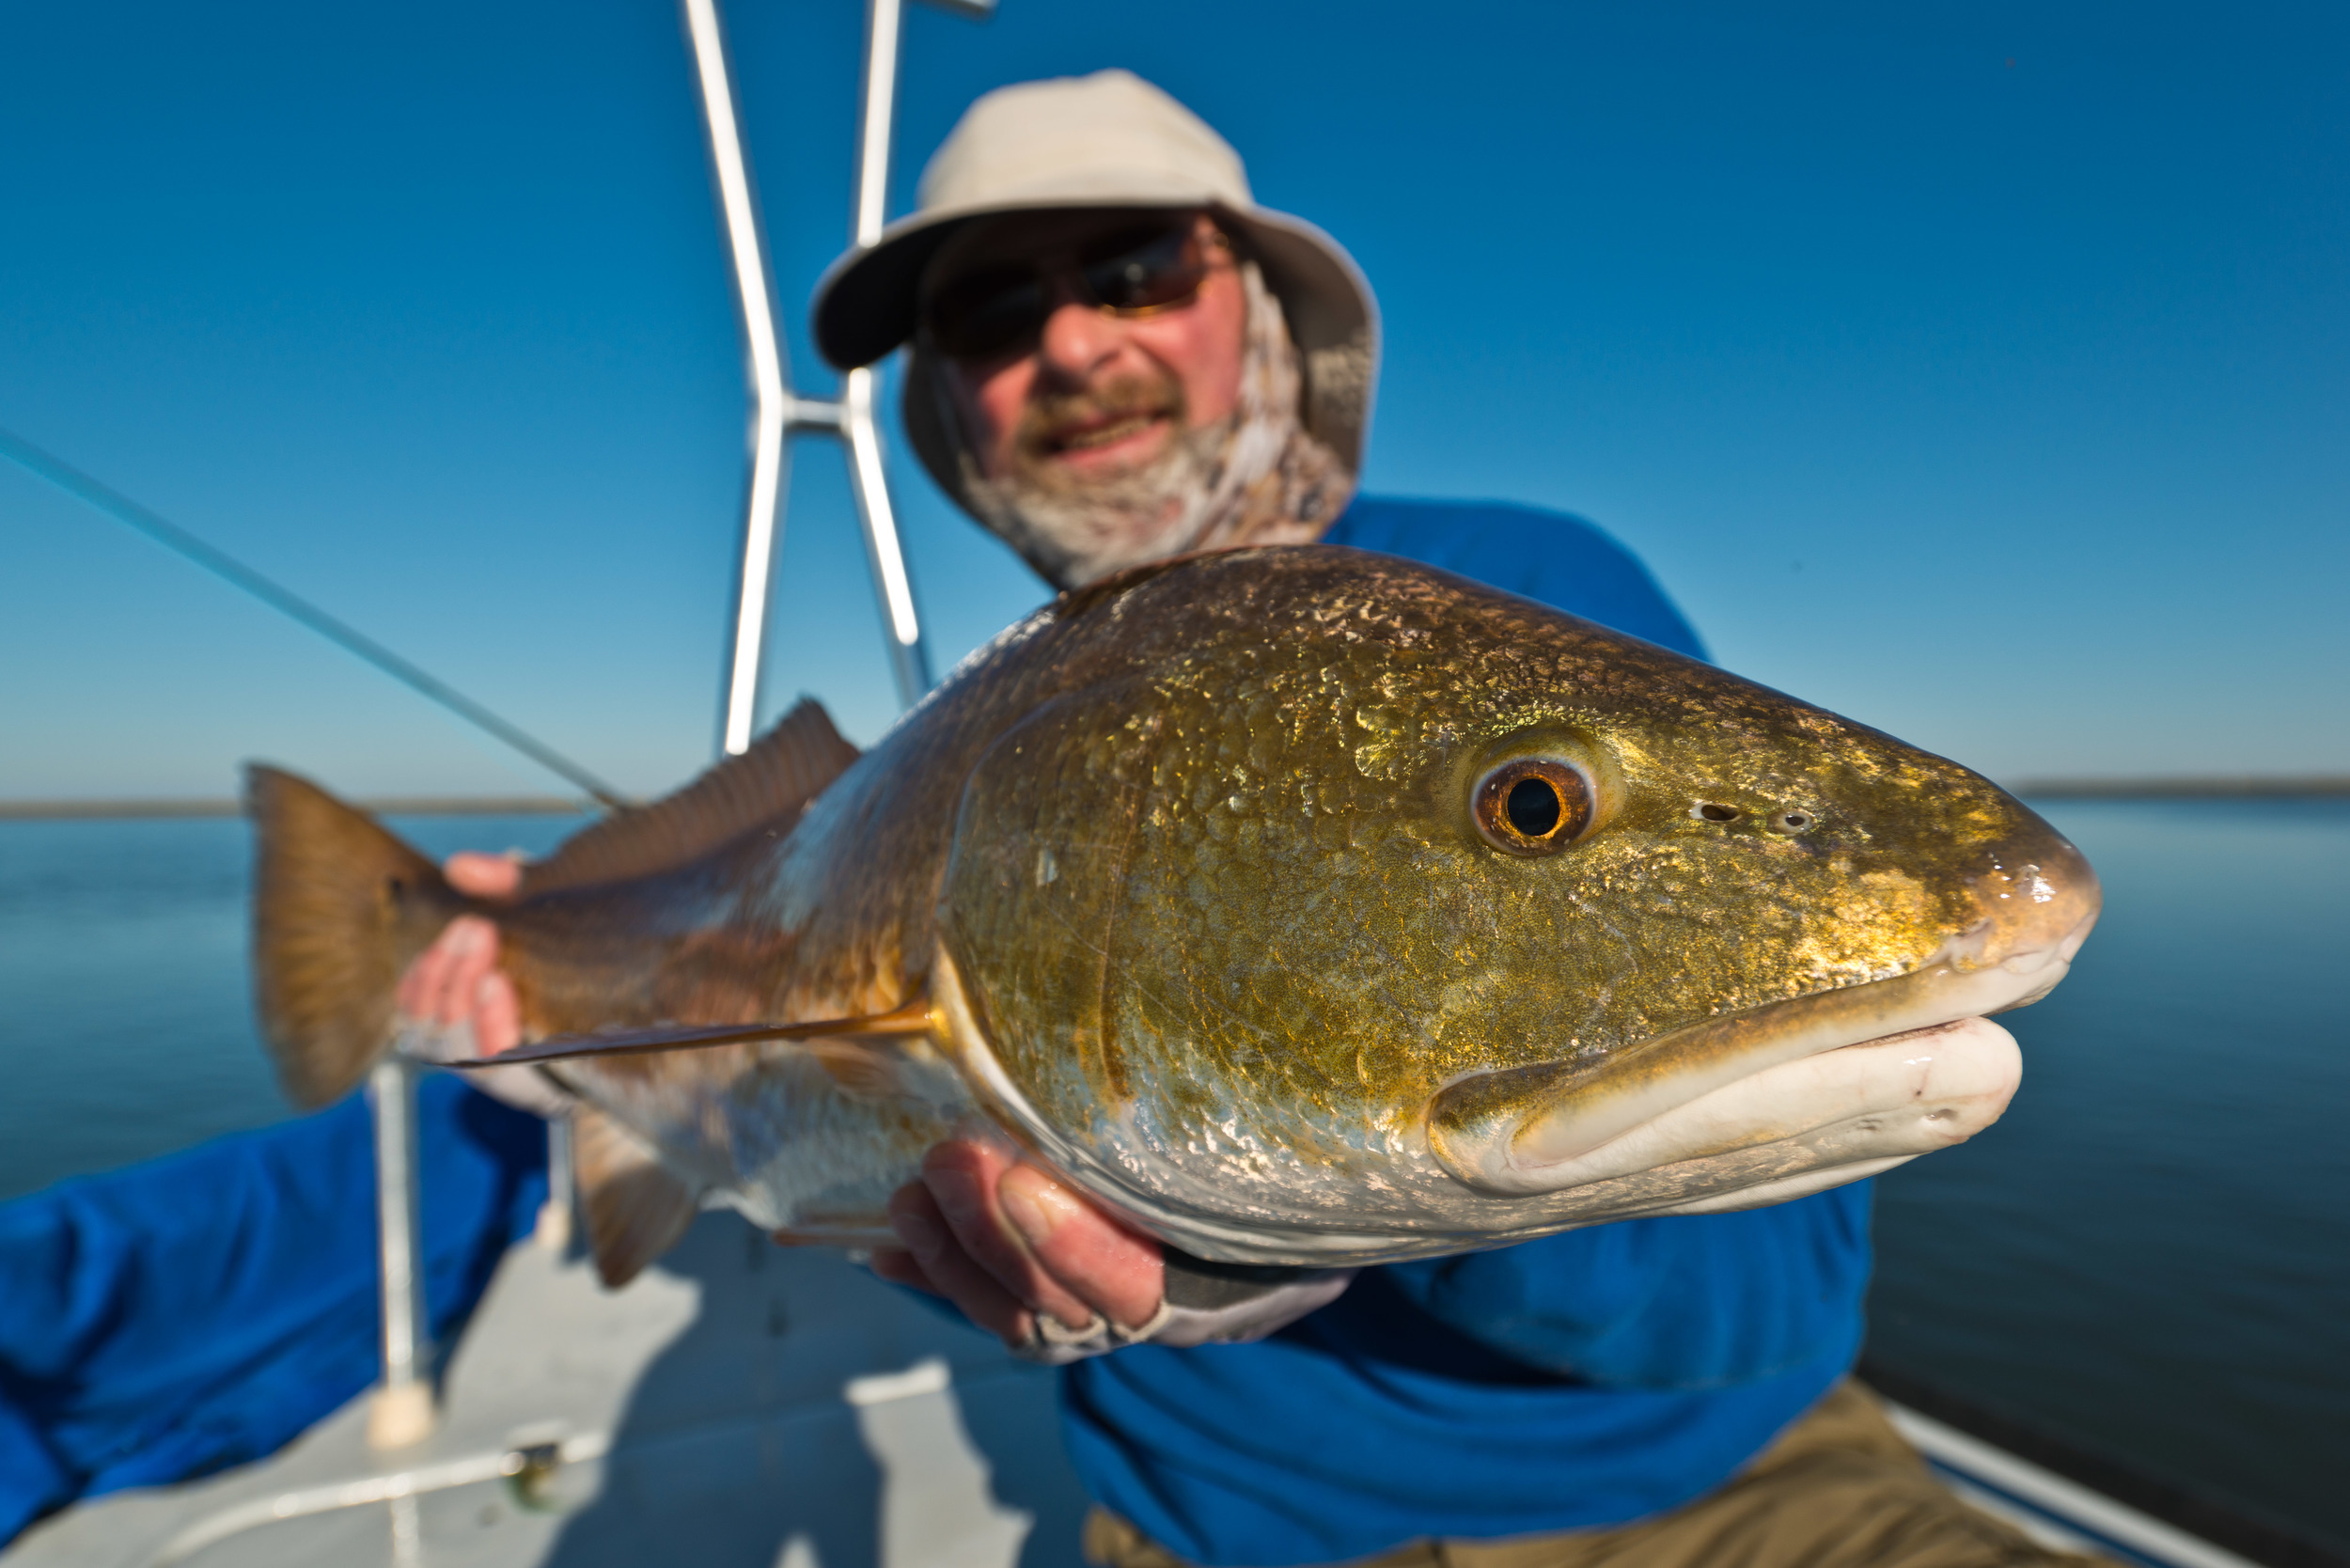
x,y
778,413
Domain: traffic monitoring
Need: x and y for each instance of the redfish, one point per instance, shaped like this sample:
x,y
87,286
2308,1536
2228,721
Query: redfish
x,y
1302,906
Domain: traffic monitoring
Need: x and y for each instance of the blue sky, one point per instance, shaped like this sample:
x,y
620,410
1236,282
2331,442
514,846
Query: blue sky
x,y
1979,371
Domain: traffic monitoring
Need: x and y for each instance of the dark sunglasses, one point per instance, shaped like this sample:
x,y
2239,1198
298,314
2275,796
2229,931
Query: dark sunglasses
x,y
1128,272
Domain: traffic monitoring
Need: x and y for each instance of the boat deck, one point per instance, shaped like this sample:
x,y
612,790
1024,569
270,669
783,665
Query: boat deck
x,y
749,1405
702,1410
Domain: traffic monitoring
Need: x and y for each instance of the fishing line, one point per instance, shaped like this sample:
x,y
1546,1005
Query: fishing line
x,y
172,537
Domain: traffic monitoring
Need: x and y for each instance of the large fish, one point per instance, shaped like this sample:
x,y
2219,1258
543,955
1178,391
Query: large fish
x,y
1303,905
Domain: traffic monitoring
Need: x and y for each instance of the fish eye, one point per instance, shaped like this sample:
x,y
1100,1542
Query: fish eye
x,y
1533,805
1790,822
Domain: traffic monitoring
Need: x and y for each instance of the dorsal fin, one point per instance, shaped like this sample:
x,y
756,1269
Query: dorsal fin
x,y
783,770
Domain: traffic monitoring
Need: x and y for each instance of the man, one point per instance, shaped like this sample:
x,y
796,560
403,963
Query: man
x,y
1117,357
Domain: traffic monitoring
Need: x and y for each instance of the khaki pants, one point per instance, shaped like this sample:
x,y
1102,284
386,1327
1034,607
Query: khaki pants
x,y
1839,1489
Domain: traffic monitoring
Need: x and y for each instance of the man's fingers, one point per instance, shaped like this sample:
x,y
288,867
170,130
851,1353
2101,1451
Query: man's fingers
x,y
496,1016
472,945
424,989
420,984
455,980
946,1269
451,980
895,1265
962,1176
1101,1262
1005,1242
484,876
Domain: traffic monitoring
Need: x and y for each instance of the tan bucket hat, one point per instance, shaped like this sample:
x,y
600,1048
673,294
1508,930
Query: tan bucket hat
x,y
1110,139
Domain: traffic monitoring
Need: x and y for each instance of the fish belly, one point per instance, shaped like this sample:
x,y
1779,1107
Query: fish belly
x,y
808,1140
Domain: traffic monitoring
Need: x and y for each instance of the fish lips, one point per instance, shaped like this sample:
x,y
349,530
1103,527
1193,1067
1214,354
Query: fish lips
x,y
1848,1082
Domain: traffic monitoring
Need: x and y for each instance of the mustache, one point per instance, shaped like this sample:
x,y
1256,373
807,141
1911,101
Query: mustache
x,y
1047,422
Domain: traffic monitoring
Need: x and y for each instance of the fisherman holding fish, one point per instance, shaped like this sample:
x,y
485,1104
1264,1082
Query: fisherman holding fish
x,y
1116,357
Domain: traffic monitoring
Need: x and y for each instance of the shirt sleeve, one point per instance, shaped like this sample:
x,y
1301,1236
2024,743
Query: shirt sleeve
x,y
1685,1302
167,1318
1553,557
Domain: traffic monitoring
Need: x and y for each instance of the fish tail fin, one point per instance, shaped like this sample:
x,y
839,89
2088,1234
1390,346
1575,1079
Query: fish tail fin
x,y
340,908
635,1207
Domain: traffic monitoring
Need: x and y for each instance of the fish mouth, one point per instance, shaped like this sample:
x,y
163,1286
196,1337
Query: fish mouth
x,y
1850,1081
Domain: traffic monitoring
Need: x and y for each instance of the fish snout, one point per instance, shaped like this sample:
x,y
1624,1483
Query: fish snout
x,y
1546,1129
2039,899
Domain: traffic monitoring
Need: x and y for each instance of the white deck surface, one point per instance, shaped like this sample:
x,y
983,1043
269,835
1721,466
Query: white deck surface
x,y
745,1406
740,1406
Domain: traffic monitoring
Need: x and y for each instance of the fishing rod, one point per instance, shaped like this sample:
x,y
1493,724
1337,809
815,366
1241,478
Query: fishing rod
x,y
91,492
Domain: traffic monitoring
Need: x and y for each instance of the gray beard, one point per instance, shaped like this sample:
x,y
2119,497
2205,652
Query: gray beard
x,y
1075,533
1256,477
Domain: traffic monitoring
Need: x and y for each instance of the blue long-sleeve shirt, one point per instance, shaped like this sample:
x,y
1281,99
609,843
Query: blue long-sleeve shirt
x,y
170,1318
1583,1380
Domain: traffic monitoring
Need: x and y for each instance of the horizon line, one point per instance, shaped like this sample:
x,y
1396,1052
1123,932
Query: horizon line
x,y
101,808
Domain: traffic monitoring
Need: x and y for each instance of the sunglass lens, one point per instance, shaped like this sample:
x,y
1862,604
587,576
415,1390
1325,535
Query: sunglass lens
x,y
986,312
1147,271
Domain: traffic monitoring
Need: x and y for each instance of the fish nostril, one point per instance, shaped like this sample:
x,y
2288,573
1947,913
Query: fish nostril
x,y
1790,822
1713,811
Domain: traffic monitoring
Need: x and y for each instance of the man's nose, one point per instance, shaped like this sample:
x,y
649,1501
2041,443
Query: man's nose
x,y
1077,338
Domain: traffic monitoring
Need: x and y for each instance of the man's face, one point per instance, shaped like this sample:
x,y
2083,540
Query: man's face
x,y
1092,396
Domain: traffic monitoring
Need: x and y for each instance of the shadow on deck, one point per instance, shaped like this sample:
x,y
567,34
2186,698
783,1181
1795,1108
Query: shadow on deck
x,y
741,1406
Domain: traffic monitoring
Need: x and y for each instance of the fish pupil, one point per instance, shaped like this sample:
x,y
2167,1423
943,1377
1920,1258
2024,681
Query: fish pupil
x,y
1535,807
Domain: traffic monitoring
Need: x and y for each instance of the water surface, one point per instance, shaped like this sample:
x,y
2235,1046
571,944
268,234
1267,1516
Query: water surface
x,y
2152,1249
126,1016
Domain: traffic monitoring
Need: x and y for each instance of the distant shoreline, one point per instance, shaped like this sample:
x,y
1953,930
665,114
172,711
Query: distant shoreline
x,y
395,805
2312,786
2315,786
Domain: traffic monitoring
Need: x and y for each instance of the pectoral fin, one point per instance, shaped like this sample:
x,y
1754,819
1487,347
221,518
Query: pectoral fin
x,y
917,1018
636,1208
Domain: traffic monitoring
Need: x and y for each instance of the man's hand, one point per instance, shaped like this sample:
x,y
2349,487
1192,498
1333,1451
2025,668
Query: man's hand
x,y
456,980
464,1005
1013,1247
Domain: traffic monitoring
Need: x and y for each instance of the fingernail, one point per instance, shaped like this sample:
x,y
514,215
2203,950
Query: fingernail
x,y
1034,1203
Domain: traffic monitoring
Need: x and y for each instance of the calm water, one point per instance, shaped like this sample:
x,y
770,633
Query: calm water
x,y
2151,1252
2152,1249
126,1020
